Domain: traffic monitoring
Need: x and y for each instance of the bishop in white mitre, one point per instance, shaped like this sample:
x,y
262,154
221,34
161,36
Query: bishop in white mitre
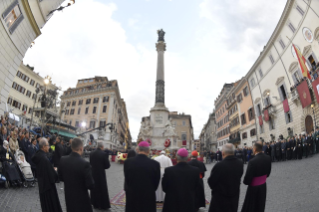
x,y
164,162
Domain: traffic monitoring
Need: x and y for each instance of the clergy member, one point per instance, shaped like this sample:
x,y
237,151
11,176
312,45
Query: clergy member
x,y
180,183
99,161
258,170
47,177
76,174
142,176
225,180
164,162
200,193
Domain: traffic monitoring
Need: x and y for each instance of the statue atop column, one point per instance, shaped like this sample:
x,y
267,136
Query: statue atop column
x,y
161,35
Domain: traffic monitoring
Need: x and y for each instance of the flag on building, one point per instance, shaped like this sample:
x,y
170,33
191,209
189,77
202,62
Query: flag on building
x,y
302,63
304,94
286,105
315,85
266,115
260,120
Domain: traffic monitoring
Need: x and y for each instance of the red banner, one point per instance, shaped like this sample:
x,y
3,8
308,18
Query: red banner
x,y
266,115
304,94
184,143
286,105
260,120
315,88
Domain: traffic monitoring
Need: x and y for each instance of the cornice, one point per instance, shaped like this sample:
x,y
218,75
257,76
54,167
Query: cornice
x,y
280,25
30,16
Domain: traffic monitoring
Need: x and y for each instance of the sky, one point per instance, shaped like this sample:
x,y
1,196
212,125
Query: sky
x,y
209,43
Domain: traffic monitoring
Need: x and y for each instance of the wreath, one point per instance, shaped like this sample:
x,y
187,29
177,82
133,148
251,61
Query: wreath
x,y
167,143
149,141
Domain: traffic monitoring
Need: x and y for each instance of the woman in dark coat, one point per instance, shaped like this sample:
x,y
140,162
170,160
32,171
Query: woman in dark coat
x,y
47,177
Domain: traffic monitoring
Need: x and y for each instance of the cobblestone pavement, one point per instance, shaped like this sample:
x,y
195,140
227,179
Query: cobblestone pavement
x,y
292,186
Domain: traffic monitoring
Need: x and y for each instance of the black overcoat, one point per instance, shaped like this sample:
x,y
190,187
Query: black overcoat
x,y
76,174
58,153
142,176
255,198
200,192
99,161
180,183
224,181
47,177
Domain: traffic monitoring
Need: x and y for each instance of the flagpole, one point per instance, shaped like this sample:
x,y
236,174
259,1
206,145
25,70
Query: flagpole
x,y
282,63
311,8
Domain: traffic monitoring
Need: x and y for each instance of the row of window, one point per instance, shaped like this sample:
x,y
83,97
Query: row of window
x,y
223,121
26,79
223,132
252,133
91,87
71,112
230,99
22,90
88,101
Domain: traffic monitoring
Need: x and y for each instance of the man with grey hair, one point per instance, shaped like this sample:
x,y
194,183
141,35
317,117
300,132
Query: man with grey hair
x,y
179,184
142,176
225,180
47,177
99,160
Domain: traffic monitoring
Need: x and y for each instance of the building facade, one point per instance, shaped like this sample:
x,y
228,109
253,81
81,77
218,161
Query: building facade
x,y
246,112
208,138
222,117
276,74
96,102
21,21
183,126
232,107
23,96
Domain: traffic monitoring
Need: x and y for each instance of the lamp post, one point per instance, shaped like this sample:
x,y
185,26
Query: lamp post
x,y
314,115
44,101
62,7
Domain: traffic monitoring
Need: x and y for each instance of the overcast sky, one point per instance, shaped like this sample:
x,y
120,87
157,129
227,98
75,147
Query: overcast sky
x,y
209,43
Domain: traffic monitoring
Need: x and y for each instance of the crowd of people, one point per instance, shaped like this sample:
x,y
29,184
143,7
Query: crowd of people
x,y
14,138
147,181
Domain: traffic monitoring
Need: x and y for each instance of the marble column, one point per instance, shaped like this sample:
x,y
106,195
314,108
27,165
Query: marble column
x,y
160,80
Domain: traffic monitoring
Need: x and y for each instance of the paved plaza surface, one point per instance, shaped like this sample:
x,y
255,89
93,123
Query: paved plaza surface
x,y
292,186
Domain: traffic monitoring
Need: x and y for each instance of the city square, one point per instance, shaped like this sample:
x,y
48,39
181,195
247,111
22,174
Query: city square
x,y
292,186
117,107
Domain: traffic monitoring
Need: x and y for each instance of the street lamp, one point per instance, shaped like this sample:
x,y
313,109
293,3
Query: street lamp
x,y
61,7
314,115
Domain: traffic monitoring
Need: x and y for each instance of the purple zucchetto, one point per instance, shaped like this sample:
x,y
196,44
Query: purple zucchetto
x,y
182,152
144,144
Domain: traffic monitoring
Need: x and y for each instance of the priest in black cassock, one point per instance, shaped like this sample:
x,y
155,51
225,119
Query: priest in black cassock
x,y
47,177
142,176
225,180
200,193
258,170
180,183
99,194
76,173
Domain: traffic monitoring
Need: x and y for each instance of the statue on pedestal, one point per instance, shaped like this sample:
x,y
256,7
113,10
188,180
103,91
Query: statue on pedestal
x,y
161,35
145,130
169,129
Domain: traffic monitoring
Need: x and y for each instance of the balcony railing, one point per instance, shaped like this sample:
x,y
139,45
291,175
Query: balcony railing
x,y
271,110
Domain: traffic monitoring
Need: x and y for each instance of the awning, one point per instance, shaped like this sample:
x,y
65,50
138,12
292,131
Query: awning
x,y
64,134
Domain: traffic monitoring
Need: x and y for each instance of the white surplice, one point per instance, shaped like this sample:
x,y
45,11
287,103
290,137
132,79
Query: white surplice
x,y
164,163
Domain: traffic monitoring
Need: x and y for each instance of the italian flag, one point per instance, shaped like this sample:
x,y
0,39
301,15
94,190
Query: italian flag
x,y
302,63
